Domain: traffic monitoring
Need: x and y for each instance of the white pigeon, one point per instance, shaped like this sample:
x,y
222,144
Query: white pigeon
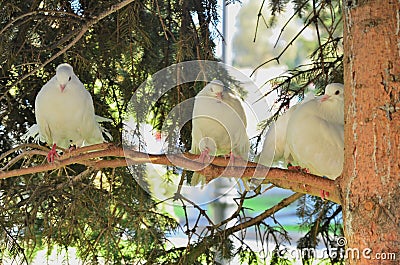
x,y
218,125
273,150
315,132
65,113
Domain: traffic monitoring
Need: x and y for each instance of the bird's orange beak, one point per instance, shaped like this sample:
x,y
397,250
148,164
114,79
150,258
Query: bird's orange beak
x,y
62,87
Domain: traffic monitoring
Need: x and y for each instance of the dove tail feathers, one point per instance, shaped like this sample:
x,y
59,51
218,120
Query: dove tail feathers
x,y
106,133
33,132
102,119
102,129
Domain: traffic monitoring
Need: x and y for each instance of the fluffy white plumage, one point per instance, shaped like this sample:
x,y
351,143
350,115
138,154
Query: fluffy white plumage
x,y
218,125
314,135
65,113
273,150
33,131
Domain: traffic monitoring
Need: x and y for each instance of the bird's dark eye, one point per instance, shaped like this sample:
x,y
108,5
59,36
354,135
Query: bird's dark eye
x,y
69,79
337,92
212,90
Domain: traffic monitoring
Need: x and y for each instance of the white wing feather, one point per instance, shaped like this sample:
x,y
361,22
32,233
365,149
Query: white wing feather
x,y
314,136
273,150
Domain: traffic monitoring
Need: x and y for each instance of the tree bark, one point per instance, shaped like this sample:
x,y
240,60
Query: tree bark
x,y
370,186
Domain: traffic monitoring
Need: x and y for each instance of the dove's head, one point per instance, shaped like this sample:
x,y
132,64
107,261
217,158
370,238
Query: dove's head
x,y
332,102
64,75
333,92
214,89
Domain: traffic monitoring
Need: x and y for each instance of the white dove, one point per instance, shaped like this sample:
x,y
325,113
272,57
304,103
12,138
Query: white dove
x,y
273,150
314,136
218,125
65,113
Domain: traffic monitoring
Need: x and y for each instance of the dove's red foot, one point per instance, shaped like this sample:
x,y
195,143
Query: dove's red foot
x,y
230,156
52,154
233,157
298,168
324,194
295,168
204,155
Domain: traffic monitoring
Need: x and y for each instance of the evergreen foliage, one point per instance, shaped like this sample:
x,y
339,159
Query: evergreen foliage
x,y
105,213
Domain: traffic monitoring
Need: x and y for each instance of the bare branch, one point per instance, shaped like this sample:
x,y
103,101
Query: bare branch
x,y
225,233
94,157
258,20
285,49
296,12
256,220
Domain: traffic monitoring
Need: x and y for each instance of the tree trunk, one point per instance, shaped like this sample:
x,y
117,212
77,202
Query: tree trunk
x,y
371,177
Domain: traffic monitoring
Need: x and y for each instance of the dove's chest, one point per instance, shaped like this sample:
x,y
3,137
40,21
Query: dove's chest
x,y
64,104
63,111
217,111
218,120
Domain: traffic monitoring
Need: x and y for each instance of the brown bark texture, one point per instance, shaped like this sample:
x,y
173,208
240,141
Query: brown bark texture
x,y
370,184
96,156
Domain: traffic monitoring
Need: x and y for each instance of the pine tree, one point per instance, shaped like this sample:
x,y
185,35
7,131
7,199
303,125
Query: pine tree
x,y
98,205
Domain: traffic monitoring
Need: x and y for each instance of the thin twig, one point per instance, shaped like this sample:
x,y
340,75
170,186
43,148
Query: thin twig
x,y
14,160
318,35
20,147
79,35
37,12
284,50
288,21
255,220
258,20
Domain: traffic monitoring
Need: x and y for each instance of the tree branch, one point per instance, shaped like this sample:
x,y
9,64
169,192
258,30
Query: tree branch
x,y
256,220
79,35
225,233
284,49
37,12
107,155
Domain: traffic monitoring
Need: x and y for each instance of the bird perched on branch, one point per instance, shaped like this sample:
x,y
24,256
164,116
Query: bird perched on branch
x,y
218,125
315,132
65,114
310,135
